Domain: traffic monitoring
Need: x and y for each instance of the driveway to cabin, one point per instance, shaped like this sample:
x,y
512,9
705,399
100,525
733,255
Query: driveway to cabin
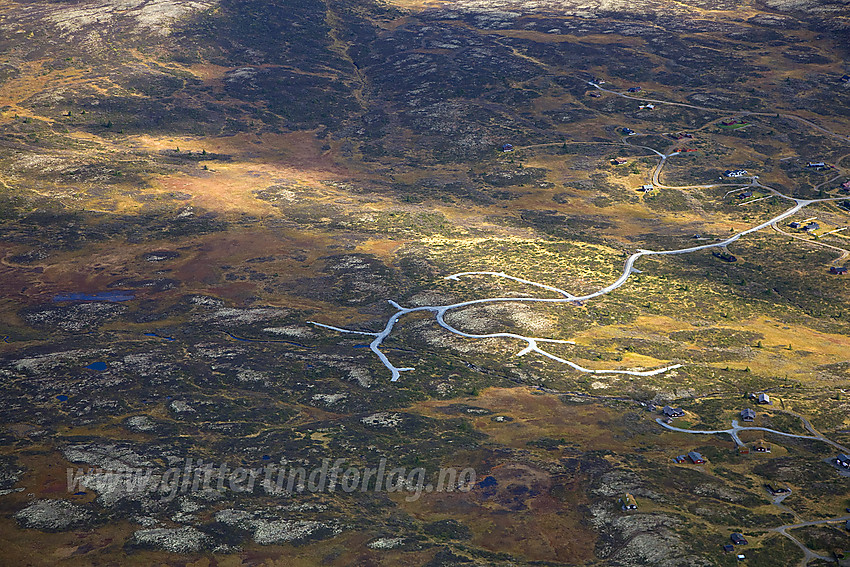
x,y
808,554
733,432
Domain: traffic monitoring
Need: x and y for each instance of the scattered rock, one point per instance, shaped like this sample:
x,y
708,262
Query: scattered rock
x,y
175,540
53,516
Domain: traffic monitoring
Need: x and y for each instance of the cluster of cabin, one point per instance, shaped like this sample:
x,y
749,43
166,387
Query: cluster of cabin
x,y
809,226
735,173
818,165
725,256
761,398
737,539
670,413
692,457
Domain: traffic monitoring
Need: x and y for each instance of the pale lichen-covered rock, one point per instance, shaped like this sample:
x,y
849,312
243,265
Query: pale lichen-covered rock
x,y
53,515
110,456
386,543
268,530
175,540
382,419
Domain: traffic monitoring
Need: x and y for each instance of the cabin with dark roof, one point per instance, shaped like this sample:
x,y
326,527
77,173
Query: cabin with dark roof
x,y
738,539
840,270
843,460
748,414
508,148
812,226
672,412
763,398
628,502
634,89
761,446
696,458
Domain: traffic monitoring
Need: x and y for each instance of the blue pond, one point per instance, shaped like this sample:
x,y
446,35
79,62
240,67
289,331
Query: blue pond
x,y
62,398
100,366
97,296
159,336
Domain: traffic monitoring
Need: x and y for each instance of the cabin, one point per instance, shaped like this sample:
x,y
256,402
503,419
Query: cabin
x,y
696,458
738,539
646,188
816,164
778,489
735,172
745,195
725,256
812,226
761,446
795,224
634,89
843,460
748,414
595,94
845,79
763,398
672,412
627,131
728,548
628,502
508,148
620,161
840,270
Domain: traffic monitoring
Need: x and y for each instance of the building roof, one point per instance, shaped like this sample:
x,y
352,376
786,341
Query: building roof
x,y
696,457
672,412
748,413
